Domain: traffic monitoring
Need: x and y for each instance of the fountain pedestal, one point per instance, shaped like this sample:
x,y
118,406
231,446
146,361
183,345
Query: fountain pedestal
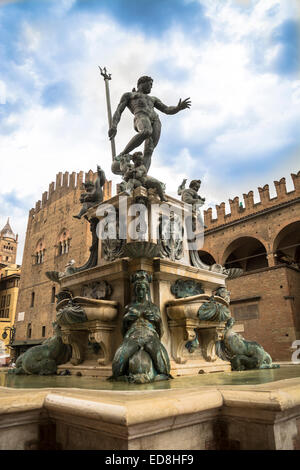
x,y
117,260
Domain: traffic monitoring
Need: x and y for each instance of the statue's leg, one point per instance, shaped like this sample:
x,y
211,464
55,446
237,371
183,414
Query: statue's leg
x,y
155,184
82,211
144,128
152,142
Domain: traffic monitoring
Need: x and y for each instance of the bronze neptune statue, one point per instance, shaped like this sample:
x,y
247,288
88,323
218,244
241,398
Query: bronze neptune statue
x,y
146,120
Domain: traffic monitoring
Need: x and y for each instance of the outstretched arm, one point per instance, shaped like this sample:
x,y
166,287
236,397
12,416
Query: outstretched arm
x,y
117,116
172,109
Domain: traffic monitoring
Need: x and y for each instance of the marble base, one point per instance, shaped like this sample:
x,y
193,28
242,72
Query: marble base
x,y
261,417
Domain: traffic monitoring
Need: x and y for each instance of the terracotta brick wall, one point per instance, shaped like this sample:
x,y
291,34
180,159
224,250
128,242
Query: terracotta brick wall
x,y
274,319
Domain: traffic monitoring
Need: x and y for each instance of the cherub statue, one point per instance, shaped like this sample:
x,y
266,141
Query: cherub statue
x,y
93,194
131,176
136,175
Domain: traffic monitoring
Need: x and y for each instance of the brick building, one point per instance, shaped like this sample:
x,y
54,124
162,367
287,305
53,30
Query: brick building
x,y
9,286
53,237
264,240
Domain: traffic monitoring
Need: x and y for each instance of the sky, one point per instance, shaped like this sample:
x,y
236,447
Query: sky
x,y
238,61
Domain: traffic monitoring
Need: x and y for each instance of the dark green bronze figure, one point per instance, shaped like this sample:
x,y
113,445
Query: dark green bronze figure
x,y
70,314
186,288
146,120
44,359
93,194
213,310
242,354
141,358
136,175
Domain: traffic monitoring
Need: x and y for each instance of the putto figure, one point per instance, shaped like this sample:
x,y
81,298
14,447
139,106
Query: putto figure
x,y
136,175
146,120
93,194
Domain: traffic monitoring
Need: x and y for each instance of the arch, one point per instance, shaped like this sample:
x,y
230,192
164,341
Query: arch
x,y
206,257
40,251
286,246
63,242
245,252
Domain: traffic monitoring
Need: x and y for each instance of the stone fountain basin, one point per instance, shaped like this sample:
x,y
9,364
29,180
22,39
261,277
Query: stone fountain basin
x,y
95,309
188,307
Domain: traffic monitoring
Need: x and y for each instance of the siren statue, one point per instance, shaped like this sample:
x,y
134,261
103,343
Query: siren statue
x,y
141,358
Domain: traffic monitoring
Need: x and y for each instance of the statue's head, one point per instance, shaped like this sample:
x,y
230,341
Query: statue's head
x,y
195,184
137,158
144,84
229,324
141,285
89,185
125,159
224,293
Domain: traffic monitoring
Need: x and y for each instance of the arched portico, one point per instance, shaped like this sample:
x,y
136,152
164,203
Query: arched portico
x,y
247,253
286,246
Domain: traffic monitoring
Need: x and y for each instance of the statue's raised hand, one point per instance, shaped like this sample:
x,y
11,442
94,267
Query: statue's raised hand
x,y
112,132
184,104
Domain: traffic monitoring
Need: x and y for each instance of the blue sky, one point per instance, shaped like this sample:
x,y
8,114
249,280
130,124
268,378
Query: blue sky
x,y
238,60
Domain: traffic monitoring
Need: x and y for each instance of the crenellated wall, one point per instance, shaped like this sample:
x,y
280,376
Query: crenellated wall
x,y
247,208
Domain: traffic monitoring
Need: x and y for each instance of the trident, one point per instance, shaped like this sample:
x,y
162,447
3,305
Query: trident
x,y
107,77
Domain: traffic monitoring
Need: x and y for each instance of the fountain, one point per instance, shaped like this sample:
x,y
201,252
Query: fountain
x,y
140,320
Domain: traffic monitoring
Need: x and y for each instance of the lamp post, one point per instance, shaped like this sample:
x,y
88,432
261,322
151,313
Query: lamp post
x,y
12,332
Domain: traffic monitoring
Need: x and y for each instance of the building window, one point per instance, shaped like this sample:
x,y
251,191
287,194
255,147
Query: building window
x,y
39,252
29,330
53,295
43,331
63,242
32,299
8,300
3,301
39,257
4,313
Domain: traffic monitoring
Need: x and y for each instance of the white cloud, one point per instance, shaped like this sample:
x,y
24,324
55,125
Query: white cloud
x,y
2,92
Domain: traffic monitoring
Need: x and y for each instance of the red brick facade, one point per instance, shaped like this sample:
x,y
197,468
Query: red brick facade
x,y
264,240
